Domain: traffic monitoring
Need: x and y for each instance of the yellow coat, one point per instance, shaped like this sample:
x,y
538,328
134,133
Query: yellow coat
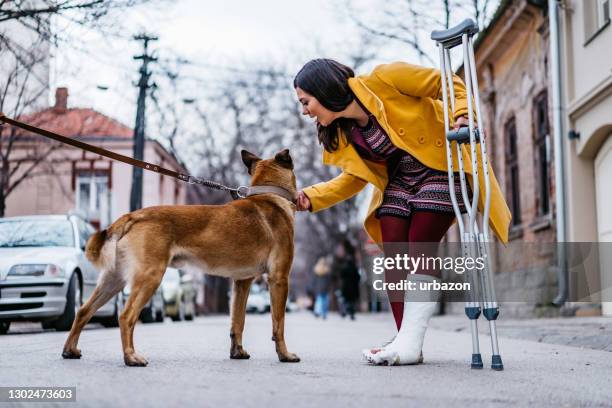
x,y
405,99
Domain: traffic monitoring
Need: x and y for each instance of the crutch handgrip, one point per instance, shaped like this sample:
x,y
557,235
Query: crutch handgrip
x,y
452,36
462,135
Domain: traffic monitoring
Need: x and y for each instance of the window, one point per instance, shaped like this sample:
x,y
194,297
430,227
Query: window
x,y
93,196
512,172
596,17
36,233
85,231
542,154
603,12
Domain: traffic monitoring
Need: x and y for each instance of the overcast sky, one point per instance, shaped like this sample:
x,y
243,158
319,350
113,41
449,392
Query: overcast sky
x,y
211,34
208,33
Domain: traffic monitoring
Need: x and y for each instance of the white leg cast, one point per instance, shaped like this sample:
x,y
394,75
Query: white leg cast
x,y
406,348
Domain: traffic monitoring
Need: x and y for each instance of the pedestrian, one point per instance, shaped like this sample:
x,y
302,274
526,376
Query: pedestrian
x,y
344,266
322,283
386,128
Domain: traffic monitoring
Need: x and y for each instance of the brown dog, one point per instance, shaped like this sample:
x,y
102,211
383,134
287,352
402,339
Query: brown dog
x,y
238,240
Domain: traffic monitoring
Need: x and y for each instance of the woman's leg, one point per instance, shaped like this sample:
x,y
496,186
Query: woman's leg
x,y
423,226
427,228
395,233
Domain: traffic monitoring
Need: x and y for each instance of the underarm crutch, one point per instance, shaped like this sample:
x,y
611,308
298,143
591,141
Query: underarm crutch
x,y
474,238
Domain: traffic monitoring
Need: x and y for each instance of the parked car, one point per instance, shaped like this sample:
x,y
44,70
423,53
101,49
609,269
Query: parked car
x,y
44,274
258,300
179,293
153,311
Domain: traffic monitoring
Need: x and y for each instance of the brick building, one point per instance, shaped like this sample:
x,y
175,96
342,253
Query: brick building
x,y
513,74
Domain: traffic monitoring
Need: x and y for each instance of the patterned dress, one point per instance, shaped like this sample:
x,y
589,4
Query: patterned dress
x,y
412,186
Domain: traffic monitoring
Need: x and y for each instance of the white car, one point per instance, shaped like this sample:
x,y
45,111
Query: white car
x,y
258,300
179,291
44,275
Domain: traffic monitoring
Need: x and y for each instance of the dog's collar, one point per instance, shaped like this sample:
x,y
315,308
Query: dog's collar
x,y
280,191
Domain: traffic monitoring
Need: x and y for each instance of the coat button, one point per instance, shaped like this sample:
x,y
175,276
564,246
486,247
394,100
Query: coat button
x,y
421,139
401,131
439,142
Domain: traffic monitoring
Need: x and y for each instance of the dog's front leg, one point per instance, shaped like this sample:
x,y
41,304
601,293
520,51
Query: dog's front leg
x,y
279,288
240,293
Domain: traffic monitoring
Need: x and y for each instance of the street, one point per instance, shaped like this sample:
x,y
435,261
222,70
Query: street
x,y
189,366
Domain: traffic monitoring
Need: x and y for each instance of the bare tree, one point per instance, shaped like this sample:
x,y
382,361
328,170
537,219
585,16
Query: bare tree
x,y
16,96
257,110
411,21
35,15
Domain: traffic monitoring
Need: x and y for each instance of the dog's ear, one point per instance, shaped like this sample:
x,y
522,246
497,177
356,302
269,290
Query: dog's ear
x,y
249,159
284,159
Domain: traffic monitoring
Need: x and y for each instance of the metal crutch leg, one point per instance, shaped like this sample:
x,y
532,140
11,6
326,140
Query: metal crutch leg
x,y
491,309
472,306
475,240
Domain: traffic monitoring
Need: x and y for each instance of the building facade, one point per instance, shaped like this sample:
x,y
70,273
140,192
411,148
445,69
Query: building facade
x,y
513,76
586,44
68,179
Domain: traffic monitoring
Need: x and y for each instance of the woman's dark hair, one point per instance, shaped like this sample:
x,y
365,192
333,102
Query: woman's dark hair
x,y
327,80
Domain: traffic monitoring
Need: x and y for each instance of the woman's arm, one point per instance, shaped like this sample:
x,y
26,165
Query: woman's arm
x,y
415,80
326,194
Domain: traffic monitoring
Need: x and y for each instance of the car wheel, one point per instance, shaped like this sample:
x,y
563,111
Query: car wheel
x,y
180,315
113,321
73,303
4,327
147,315
160,315
192,308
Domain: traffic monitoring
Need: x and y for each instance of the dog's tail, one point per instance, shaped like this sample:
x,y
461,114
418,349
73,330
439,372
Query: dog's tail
x,y
101,247
94,246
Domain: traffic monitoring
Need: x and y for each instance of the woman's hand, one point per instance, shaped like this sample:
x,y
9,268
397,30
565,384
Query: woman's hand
x,y
303,202
462,121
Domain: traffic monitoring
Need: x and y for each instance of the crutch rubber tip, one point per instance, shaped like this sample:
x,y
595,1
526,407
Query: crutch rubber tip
x,y
496,363
476,361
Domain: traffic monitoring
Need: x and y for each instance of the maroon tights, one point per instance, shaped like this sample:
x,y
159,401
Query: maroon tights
x,y
422,226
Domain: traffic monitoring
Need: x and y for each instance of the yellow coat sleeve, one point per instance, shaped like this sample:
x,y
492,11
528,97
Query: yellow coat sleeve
x,y
422,82
326,194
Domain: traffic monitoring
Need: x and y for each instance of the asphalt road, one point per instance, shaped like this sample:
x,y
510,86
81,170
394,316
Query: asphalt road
x,y
189,366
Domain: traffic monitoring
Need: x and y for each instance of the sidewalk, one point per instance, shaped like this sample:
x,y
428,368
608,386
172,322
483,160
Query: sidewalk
x,y
585,332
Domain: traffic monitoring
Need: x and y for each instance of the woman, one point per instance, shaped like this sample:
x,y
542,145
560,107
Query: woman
x,y
387,129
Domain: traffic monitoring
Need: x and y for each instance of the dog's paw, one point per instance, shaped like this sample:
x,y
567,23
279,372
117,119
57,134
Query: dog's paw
x,y
135,360
289,358
239,354
71,354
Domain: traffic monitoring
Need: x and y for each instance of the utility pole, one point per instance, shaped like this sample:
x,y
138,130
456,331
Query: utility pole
x,y
139,127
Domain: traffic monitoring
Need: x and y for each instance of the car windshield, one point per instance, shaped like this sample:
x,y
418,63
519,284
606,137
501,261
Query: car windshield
x,y
36,233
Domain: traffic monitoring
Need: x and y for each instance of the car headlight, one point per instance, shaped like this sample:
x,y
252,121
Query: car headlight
x,y
49,270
